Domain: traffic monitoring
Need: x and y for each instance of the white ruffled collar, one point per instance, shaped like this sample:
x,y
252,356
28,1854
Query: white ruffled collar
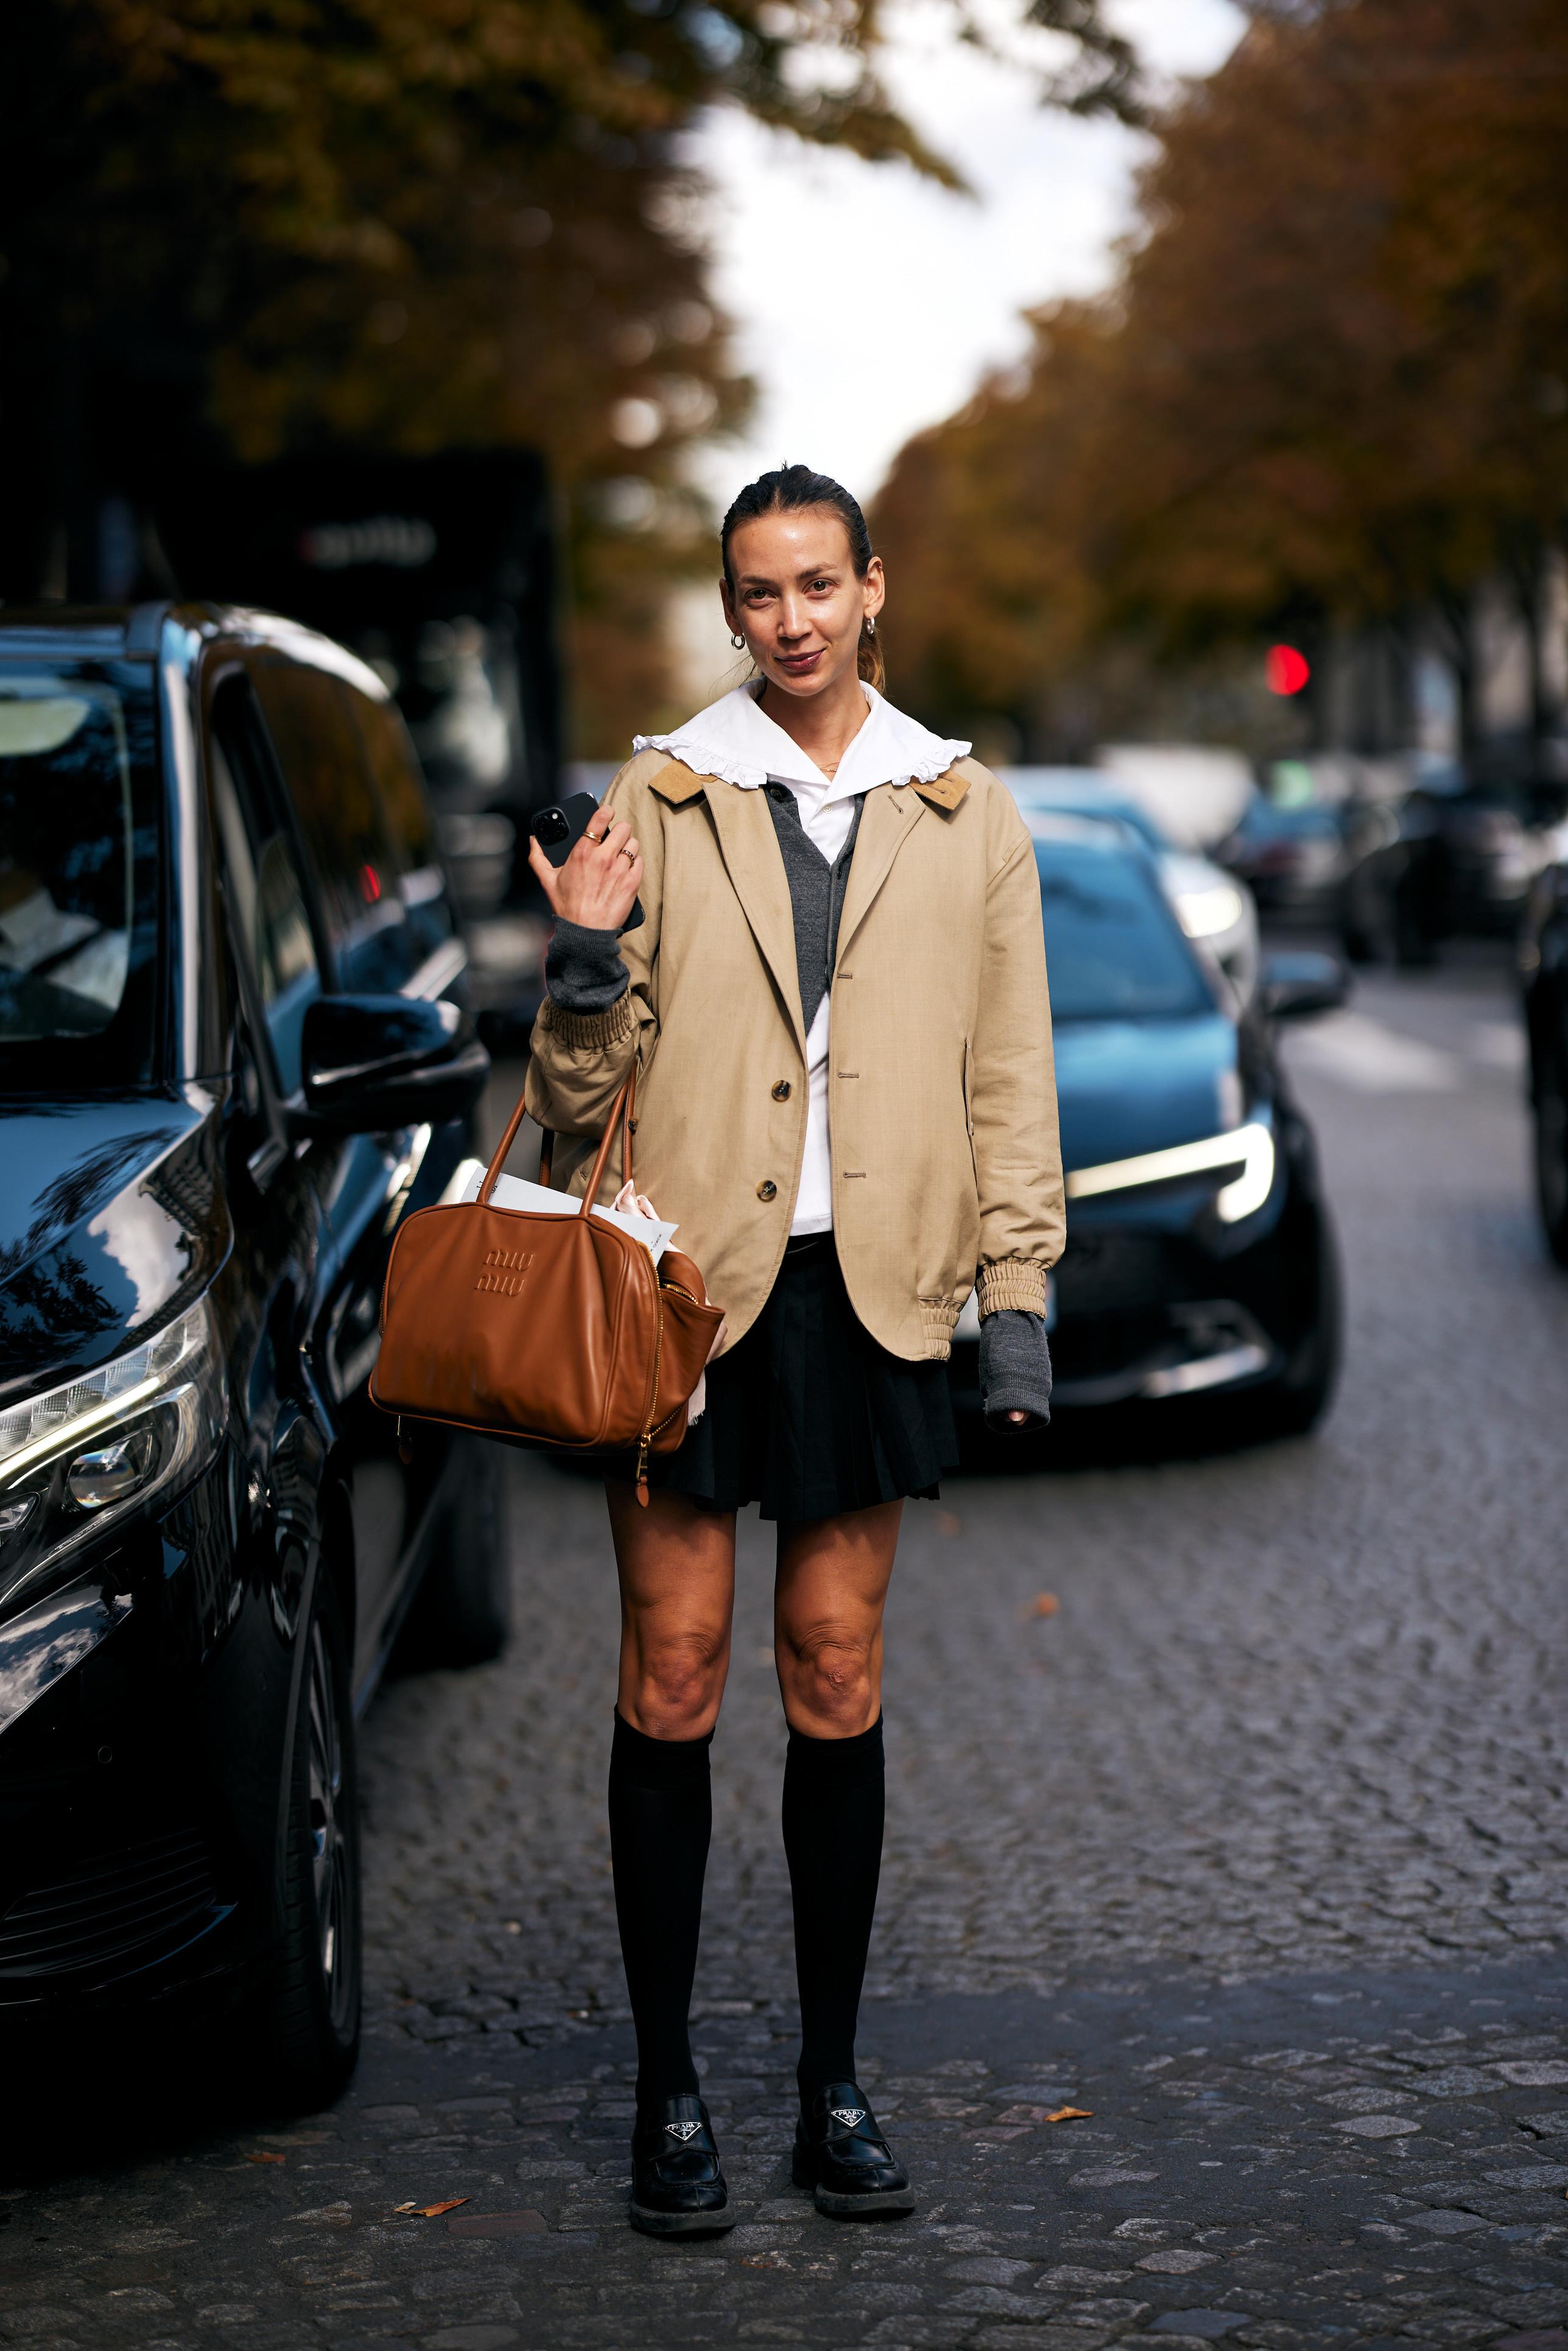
x,y
735,740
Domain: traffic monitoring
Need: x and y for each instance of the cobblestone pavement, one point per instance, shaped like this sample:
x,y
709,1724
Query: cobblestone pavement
x,y
1254,1846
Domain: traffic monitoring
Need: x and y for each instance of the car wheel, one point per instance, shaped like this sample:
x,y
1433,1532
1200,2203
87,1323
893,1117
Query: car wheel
x,y
1550,1108
303,2034
462,1614
1293,1403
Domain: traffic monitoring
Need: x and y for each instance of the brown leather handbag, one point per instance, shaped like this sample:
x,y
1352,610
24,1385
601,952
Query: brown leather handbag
x,y
550,1330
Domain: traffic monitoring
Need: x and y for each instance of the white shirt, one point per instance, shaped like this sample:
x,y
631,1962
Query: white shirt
x,y
735,739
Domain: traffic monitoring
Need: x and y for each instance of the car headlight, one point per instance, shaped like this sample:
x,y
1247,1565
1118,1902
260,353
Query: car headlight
x,y
1203,914
77,1458
1249,1149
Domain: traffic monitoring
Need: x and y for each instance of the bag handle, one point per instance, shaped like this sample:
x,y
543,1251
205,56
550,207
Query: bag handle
x,y
620,1109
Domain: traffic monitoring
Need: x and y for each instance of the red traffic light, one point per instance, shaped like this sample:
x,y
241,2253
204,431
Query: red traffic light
x,y
1286,670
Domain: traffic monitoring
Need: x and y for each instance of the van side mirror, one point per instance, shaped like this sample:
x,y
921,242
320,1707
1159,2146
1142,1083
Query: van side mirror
x,y
372,1063
1293,985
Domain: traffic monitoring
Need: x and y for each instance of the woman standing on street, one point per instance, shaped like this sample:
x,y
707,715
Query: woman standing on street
x,y
837,1009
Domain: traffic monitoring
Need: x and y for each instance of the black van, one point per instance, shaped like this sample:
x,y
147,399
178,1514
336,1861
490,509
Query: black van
x,y
234,1053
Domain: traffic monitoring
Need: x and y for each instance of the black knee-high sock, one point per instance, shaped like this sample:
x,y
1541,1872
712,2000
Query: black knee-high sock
x,y
660,1817
832,1837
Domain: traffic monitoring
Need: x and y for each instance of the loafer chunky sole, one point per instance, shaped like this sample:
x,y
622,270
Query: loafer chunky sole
x,y
682,2224
841,2203
842,2158
677,2187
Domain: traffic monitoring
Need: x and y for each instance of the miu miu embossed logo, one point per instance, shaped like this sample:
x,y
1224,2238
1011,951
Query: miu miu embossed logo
x,y
505,1272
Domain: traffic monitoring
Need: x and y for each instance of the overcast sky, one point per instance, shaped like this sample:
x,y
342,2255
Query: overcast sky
x,y
870,302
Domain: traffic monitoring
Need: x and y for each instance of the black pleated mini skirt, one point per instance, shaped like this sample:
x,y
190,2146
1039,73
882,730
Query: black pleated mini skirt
x,y
807,1415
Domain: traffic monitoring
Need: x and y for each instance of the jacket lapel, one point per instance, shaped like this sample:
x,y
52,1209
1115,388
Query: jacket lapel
x,y
750,847
891,816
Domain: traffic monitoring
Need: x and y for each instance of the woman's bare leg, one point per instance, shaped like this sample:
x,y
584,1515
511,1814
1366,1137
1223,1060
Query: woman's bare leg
x,y
833,1575
677,1588
829,1597
676,1564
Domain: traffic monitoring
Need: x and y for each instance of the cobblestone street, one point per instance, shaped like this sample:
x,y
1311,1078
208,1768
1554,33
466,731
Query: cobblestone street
x,y
1253,1846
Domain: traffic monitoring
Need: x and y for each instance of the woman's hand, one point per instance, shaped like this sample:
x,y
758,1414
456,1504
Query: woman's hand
x,y
598,884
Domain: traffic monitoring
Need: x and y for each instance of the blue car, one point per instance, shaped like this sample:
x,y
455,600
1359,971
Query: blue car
x,y
1199,1261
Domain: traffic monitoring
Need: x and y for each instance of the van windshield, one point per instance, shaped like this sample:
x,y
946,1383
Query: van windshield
x,y
78,875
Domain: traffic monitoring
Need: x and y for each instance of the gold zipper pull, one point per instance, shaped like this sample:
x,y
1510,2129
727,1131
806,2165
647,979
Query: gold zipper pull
x,y
643,1469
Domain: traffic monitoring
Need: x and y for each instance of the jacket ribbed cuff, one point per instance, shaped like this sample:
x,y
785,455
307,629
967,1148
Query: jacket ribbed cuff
x,y
936,1320
589,1032
1013,1282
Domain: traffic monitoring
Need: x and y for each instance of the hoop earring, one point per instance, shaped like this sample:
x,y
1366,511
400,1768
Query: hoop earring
x,y
738,641
871,625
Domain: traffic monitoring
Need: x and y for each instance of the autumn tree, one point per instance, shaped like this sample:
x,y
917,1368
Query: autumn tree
x,y
1330,384
275,225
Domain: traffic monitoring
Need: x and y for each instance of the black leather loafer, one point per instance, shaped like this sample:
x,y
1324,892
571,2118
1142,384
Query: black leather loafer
x,y
677,2188
839,2152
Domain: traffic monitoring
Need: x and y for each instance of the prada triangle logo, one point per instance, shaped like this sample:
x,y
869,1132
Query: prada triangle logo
x,y
684,2131
848,2116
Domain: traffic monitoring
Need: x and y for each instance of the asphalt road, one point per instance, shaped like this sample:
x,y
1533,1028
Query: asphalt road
x,y
1254,1846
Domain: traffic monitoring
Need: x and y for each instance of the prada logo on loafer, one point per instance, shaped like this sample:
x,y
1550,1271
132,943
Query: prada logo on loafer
x,y
684,2131
848,2116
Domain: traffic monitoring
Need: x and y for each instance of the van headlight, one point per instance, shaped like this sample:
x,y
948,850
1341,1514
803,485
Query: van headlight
x,y
1249,1150
77,1458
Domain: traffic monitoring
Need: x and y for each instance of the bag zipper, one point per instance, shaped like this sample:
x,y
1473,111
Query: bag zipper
x,y
647,1436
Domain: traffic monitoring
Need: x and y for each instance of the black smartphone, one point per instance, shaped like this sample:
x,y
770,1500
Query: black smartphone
x,y
557,831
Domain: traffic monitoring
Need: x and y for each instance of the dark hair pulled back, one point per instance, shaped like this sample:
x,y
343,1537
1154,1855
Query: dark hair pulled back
x,y
791,489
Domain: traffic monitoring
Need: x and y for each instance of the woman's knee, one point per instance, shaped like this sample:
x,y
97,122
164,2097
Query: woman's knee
x,y
828,1672
677,1680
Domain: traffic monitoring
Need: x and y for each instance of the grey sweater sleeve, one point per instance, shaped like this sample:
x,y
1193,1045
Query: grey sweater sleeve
x,y
583,970
1015,1366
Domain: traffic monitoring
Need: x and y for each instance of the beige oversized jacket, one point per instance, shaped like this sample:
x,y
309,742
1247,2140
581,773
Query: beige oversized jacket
x,y
942,1096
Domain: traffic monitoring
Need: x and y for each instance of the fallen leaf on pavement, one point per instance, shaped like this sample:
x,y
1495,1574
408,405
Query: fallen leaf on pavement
x,y
1046,1604
1071,2114
431,2211
266,2158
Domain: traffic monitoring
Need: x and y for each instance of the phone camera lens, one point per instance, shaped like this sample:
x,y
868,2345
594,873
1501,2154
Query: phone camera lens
x,y
550,826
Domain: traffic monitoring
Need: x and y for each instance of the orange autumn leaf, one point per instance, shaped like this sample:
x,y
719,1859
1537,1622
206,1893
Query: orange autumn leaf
x,y
434,2212
1046,1604
1071,2114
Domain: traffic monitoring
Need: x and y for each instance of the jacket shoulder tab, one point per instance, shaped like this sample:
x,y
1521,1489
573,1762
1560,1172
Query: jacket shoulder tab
x,y
945,791
677,783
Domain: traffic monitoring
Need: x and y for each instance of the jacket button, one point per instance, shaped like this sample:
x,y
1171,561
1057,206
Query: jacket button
x,y
781,1091
768,1189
